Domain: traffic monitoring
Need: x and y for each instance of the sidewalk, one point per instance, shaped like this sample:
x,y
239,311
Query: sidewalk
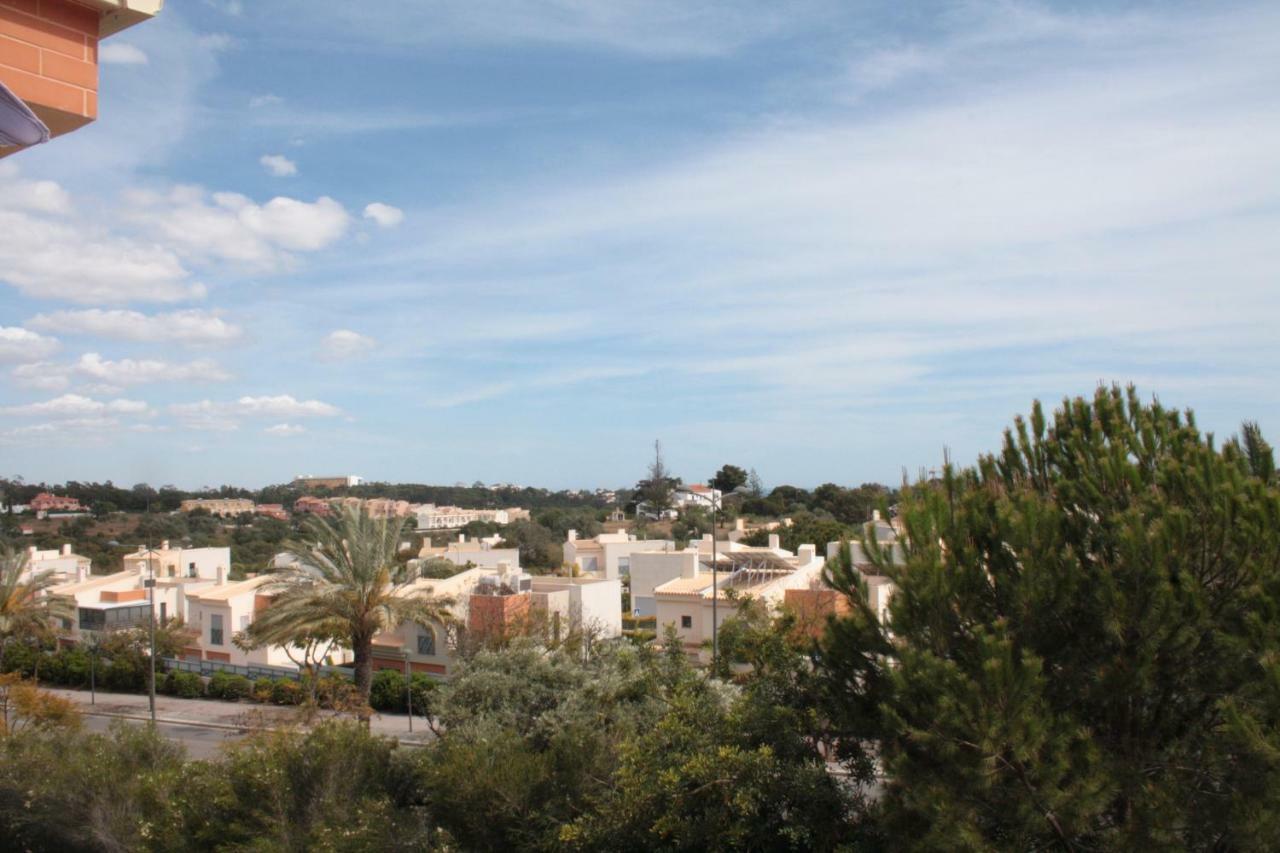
x,y
227,715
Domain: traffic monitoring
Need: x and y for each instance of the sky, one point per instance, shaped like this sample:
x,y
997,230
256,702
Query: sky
x,y
519,240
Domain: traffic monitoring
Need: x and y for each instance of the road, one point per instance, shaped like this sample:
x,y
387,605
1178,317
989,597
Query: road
x,y
199,741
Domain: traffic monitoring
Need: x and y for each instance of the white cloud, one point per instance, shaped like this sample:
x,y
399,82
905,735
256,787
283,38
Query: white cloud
x,y
268,100
384,214
235,228
76,405
226,415
285,430
21,345
128,371
36,196
278,165
41,376
46,251
121,53
344,344
188,328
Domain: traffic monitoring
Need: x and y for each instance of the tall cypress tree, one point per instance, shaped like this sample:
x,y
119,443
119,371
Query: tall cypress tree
x,y
1084,648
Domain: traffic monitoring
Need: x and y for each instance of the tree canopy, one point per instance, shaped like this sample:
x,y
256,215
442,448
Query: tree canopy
x,y
1084,642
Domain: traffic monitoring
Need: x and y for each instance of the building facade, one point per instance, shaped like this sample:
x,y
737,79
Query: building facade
x,y
49,63
224,507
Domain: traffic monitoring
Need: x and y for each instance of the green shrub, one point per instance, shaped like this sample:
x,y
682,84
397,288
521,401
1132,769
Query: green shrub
x,y
186,685
286,691
262,690
69,666
237,687
387,692
125,673
217,688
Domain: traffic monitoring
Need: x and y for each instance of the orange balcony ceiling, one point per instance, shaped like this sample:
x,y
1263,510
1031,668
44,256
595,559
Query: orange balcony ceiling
x,y
49,54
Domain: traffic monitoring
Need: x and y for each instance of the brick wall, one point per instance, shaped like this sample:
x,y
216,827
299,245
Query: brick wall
x,y
49,58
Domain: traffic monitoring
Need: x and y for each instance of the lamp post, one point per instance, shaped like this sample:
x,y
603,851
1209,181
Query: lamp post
x,y
93,669
150,583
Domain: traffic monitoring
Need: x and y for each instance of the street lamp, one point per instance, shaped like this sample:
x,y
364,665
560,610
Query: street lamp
x,y
715,573
94,646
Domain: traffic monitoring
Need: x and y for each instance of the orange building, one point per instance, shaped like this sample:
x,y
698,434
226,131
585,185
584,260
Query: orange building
x,y
49,63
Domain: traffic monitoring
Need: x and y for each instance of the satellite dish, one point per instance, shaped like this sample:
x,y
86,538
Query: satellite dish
x,y
18,125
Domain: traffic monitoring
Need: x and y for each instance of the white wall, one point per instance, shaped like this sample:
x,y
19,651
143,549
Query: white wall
x,y
650,569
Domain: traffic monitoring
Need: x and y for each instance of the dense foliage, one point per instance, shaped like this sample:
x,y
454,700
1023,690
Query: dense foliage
x,y
1085,643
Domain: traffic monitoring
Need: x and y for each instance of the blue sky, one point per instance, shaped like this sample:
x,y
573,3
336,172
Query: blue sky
x,y
518,240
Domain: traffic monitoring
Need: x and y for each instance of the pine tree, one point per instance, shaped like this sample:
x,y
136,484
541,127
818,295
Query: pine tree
x,y
1084,650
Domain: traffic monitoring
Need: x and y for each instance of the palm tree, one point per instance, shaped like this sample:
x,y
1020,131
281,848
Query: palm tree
x,y
347,574
25,610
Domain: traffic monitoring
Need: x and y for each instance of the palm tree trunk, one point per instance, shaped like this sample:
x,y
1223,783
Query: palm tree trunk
x,y
363,649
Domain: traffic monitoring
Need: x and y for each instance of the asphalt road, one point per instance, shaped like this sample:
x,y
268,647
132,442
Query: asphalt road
x,y
200,742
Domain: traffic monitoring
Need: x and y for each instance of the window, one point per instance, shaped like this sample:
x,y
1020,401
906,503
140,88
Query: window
x,y
215,629
686,621
624,565
164,612
427,642
191,570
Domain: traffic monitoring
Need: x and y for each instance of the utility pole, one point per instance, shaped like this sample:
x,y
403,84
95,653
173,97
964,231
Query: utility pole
x,y
150,584
715,589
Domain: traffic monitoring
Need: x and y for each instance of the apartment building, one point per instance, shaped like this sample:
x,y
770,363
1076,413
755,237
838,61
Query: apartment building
x,y
429,648
121,600
695,495
62,563
307,481
46,502
481,552
276,511
764,574
220,611
489,602
49,63
432,517
224,507
308,505
651,569
187,563
609,554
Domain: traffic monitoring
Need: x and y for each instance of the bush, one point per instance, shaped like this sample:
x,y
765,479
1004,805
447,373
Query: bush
x,y
237,687
126,674
286,691
336,693
185,685
217,688
387,691
67,666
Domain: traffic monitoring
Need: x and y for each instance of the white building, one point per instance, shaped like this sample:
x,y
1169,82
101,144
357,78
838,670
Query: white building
x,y
62,563
763,574
180,562
695,494
219,611
609,554
432,517
476,552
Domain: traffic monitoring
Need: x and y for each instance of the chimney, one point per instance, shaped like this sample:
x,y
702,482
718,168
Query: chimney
x,y
66,549
164,546
573,536
462,537
222,575
807,554
875,515
31,550
81,574
775,541
740,525
706,537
